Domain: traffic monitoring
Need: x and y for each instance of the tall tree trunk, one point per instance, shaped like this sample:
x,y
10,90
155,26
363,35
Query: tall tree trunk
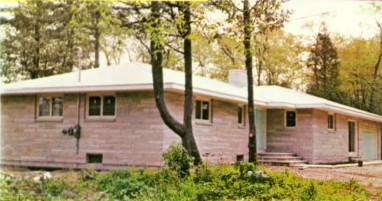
x,y
188,102
96,39
36,57
184,131
248,64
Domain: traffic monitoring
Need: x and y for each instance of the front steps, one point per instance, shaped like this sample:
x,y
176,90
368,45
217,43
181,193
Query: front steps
x,y
283,159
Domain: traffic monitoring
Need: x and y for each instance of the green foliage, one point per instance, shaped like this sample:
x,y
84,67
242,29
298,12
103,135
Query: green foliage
x,y
178,160
121,184
223,182
323,63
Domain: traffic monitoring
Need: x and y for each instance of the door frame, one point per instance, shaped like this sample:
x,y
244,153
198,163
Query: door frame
x,y
356,138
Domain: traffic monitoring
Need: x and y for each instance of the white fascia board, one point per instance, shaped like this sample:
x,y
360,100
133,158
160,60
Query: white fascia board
x,y
77,89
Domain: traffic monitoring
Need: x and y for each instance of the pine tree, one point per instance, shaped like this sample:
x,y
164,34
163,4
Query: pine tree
x,y
324,65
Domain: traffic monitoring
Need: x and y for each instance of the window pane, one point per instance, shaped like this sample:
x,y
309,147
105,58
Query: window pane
x,y
205,110
198,109
44,106
240,115
94,106
331,121
58,104
108,105
291,119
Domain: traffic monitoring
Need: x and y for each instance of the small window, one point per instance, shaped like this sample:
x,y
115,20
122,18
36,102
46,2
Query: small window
x,y
291,119
94,158
331,122
203,110
101,106
241,115
49,106
239,158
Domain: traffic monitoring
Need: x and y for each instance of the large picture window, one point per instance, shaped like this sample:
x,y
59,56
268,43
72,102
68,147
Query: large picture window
x,y
50,106
203,110
101,106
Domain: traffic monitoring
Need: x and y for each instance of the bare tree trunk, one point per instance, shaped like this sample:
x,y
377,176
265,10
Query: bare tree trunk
x,y
184,131
189,139
248,64
96,39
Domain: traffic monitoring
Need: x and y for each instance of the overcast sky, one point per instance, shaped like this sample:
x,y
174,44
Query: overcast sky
x,y
349,18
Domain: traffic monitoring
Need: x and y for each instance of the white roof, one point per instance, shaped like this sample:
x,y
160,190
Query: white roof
x,y
137,76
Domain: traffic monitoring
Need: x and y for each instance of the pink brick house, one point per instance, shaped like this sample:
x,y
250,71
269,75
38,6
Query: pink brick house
x,y
120,124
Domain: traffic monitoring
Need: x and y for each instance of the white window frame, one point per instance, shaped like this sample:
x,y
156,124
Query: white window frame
x,y
50,117
101,116
286,118
334,121
202,121
243,115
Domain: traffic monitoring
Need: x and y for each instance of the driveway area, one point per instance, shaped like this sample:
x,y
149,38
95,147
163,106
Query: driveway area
x,y
370,176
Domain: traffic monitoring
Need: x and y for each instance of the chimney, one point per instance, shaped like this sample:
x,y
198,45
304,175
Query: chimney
x,y
237,77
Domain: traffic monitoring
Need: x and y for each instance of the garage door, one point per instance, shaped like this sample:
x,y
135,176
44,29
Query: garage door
x,y
369,145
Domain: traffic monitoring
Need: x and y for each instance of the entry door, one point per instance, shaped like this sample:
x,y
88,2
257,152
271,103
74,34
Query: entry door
x,y
369,145
260,123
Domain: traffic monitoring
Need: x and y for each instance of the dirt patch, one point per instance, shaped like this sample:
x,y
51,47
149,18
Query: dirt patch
x,y
370,176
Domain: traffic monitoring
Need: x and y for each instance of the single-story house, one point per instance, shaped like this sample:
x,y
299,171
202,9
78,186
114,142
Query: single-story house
x,y
121,126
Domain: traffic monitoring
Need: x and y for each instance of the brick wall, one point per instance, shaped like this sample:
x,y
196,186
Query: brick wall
x,y
311,138
137,136
292,140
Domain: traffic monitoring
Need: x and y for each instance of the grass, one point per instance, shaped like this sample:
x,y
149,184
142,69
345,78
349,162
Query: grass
x,y
223,182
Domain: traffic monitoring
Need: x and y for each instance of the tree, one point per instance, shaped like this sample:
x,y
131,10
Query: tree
x,y
324,65
358,57
377,9
99,29
37,40
249,21
159,27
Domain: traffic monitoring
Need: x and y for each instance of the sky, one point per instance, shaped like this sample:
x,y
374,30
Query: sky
x,y
346,17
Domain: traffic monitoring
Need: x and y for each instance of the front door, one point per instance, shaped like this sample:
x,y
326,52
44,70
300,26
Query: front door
x,y
369,145
260,123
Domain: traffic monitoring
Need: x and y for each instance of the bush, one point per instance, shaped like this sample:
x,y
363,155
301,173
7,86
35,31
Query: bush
x,y
178,160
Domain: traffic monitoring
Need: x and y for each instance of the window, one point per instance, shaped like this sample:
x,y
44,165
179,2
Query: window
x,y
351,126
241,115
50,106
203,110
331,122
101,106
290,119
94,158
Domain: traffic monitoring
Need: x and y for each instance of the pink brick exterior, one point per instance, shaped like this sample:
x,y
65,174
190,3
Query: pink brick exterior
x,y
137,136
312,140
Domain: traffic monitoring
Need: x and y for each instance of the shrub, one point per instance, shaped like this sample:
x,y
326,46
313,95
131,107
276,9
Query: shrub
x,y
178,160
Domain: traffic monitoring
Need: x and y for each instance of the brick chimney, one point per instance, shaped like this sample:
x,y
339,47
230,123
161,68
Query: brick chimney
x,y
237,77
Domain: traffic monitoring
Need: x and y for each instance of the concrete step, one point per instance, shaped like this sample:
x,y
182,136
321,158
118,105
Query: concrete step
x,y
285,159
276,154
284,163
282,158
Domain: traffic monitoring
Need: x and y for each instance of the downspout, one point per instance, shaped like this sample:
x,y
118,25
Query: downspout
x,y
78,127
